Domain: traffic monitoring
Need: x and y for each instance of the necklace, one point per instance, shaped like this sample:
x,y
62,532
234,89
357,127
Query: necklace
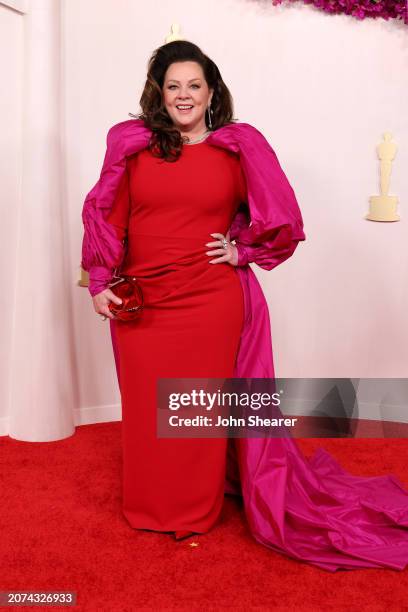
x,y
199,139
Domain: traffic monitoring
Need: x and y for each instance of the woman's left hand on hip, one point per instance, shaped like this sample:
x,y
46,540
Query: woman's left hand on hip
x,y
229,254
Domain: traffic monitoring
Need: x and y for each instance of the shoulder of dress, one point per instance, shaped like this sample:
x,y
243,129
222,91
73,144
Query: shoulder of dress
x,y
241,133
240,136
238,127
131,127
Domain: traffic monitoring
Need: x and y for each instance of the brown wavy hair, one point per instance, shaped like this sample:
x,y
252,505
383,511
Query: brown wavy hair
x,y
166,141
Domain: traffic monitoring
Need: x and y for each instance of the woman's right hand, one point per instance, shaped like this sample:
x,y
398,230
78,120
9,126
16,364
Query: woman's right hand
x,y
102,300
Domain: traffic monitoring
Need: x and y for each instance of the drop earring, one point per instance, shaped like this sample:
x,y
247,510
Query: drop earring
x,y
209,116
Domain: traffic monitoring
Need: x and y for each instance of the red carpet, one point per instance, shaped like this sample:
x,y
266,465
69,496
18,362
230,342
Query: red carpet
x,y
62,529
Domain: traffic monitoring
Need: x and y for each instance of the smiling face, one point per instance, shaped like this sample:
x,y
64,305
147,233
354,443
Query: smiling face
x,y
185,86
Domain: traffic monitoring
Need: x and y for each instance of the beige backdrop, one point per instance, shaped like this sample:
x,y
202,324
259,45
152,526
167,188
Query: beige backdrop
x,y
321,88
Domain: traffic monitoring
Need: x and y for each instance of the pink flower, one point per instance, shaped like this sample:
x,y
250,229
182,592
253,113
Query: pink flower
x,y
361,9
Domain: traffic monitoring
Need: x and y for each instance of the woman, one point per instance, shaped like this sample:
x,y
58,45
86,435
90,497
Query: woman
x,y
177,185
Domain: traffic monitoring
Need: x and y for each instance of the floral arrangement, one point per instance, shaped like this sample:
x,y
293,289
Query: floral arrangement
x,y
387,9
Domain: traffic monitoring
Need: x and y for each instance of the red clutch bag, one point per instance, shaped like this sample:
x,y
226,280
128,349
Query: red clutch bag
x,y
131,295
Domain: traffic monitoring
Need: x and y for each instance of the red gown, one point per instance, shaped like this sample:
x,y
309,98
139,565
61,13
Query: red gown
x,y
190,327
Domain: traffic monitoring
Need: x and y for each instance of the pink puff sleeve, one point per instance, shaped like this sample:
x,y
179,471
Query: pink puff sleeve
x,y
268,225
118,216
102,244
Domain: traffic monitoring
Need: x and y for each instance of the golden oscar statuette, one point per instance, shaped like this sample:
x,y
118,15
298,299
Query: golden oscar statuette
x,y
384,207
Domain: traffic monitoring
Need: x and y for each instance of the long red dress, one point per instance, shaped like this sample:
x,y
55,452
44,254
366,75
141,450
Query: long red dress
x,y
190,327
